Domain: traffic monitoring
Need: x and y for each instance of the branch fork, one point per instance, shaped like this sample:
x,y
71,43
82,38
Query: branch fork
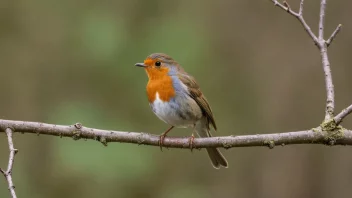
x,y
322,46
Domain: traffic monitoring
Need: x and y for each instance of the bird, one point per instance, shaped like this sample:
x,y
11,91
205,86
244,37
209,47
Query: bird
x,y
175,98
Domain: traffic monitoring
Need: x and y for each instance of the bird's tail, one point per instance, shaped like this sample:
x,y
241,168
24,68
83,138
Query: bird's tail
x,y
216,157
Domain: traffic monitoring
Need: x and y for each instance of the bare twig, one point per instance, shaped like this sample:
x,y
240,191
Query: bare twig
x,y
333,35
300,12
329,86
287,6
321,20
299,16
8,173
322,45
330,95
338,119
317,136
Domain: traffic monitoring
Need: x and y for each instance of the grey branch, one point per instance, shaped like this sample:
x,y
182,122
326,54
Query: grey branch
x,y
343,114
333,35
330,95
300,12
329,86
322,45
8,173
322,19
299,16
324,134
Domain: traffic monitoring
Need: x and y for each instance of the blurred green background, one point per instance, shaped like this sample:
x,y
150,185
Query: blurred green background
x,y
64,62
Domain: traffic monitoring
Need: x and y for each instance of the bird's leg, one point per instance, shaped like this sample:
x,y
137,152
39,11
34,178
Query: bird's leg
x,y
162,137
191,140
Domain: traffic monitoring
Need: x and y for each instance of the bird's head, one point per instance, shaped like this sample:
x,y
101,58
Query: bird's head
x,y
158,65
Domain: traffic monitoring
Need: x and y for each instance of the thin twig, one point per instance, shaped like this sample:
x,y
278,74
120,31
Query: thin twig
x,y
8,173
299,16
338,119
329,86
330,95
77,131
300,12
322,20
333,35
287,6
322,45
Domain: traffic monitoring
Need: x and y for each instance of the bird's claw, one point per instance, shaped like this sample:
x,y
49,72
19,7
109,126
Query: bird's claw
x,y
162,137
191,140
161,141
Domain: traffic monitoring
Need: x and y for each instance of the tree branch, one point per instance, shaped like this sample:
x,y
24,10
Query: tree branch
x,y
322,45
300,12
338,119
322,19
320,135
330,95
333,35
8,173
299,16
329,86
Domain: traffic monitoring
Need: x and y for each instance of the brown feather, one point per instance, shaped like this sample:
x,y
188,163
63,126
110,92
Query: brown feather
x,y
196,94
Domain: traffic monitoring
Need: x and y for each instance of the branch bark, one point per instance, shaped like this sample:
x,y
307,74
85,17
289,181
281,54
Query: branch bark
x,y
319,135
330,95
8,173
343,114
333,35
322,19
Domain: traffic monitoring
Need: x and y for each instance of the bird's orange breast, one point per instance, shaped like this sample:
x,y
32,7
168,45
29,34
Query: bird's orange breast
x,y
159,82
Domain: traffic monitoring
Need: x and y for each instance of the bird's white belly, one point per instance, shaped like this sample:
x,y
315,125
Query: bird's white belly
x,y
175,113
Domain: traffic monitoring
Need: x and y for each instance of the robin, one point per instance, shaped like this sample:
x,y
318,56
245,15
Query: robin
x,y
176,99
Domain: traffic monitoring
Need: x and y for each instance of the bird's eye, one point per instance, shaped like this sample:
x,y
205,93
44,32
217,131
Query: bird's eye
x,y
157,63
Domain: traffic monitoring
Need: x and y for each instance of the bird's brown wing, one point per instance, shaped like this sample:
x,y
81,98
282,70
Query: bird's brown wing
x,y
196,94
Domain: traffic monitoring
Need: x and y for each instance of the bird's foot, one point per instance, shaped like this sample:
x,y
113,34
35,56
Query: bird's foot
x,y
162,137
191,140
161,140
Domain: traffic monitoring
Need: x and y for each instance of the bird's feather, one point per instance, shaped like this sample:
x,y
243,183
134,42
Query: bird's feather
x,y
196,94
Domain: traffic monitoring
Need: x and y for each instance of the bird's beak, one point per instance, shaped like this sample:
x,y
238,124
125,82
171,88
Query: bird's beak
x,y
140,65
